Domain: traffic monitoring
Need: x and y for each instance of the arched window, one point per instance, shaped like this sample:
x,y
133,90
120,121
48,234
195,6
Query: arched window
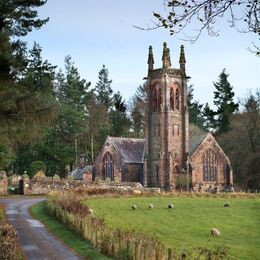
x,y
177,99
157,172
227,174
209,161
172,99
108,166
154,100
159,100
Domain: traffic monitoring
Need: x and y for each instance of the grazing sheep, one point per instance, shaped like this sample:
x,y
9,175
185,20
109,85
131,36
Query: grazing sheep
x,y
134,207
227,204
91,212
150,206
215,232
170,206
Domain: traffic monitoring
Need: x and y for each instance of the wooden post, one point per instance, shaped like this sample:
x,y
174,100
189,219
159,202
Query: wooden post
x,y
170,254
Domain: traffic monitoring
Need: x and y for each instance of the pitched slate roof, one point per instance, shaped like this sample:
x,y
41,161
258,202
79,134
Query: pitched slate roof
x,y
195,142
131,149
77,173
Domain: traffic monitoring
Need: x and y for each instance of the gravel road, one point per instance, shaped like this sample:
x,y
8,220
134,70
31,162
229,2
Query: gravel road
x,y
35,240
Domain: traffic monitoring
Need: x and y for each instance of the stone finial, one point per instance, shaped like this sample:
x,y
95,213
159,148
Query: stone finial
x,y
182,59
150,61
166,59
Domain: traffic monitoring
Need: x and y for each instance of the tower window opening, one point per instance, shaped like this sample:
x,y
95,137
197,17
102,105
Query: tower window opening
x,y
172,99
159,100
154,100
157,172
177,99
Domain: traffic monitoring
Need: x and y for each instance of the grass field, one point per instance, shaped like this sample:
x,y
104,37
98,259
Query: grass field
x,y
1,213
74,241
188,225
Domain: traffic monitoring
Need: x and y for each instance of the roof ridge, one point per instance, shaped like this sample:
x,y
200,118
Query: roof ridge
x,y
127,138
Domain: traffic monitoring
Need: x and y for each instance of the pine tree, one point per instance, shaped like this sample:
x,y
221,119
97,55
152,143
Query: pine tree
x,y
224,101
22,103
138,110
27,101
209,118
103,90
119,122
195,109
72,89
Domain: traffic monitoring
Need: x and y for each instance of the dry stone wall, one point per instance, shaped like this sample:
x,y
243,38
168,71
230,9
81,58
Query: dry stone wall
x,y
32,187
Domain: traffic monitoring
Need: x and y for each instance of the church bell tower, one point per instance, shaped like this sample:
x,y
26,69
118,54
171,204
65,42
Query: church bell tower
x,y
167,132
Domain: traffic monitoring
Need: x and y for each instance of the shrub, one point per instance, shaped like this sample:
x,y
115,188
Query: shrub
x,y
2,175
56,177
39,176
37,166
70,178
117,179
108,179
181,181
8,242
97,179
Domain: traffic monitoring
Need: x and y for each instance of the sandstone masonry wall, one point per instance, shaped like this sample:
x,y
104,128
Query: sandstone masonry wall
x,y
32,187
3,186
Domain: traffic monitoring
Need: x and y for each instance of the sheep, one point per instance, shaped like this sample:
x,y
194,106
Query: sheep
x,y
134,207
170,206
215,232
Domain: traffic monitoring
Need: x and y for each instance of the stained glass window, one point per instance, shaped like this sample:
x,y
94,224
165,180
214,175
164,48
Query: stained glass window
x,y
209,166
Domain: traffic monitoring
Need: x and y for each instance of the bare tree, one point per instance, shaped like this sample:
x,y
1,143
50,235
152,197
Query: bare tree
x,y
179,14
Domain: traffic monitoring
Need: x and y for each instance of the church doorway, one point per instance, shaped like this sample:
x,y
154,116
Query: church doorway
x,y
21,187
108,166
227,175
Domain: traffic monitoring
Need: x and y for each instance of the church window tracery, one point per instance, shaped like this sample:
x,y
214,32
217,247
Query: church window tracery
x,y
209,161
108,166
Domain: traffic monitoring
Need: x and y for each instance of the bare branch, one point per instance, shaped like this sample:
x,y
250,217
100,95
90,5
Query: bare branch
x,y
181,14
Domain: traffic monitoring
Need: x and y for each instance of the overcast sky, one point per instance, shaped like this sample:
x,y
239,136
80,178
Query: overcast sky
x,y
101,32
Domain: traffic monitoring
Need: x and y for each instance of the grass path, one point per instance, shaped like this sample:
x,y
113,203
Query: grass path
x,y
188,225
74,241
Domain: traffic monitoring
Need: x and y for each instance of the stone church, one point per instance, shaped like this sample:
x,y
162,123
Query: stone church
x,y
167,152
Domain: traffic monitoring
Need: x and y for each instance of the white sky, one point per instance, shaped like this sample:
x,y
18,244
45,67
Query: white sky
x,y
101,32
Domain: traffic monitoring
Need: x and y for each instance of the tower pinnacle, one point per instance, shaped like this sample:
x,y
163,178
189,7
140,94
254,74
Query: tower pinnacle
x,y
150,61
166,59
182,59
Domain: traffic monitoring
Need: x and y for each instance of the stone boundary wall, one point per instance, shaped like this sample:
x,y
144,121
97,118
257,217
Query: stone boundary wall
x,y
41,187
3,186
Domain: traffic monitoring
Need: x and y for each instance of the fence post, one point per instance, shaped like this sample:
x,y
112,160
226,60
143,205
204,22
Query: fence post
x,y
170,254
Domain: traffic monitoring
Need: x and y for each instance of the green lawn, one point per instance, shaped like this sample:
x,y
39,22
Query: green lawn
x,y
74,241
188,225
2,217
